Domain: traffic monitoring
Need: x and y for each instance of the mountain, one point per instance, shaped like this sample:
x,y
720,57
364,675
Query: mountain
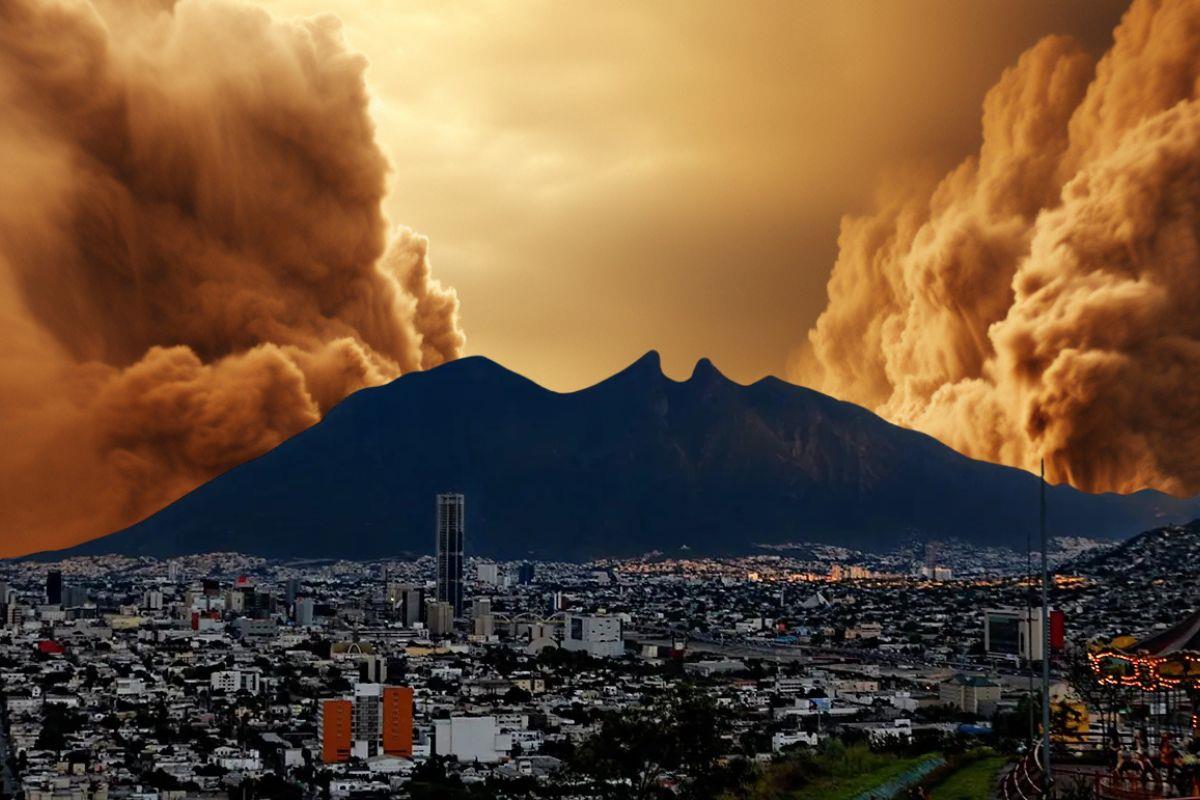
x,y
1170,553
1141,586
636,463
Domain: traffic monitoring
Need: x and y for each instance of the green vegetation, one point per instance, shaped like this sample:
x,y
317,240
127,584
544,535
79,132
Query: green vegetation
x,y
848,785
972,781
678,748
635,751
58,722
835,772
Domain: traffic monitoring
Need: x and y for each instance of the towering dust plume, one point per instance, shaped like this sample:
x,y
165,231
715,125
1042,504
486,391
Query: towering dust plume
x,y
194,264
1043,299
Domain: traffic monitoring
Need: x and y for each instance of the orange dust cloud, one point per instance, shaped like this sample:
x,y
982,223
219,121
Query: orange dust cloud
x,y
194,261
1043,298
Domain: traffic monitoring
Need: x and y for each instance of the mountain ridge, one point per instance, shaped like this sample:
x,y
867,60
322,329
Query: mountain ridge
x,y
638,462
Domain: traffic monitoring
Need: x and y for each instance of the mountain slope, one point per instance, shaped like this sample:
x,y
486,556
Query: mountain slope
x,y
637,463
1139,587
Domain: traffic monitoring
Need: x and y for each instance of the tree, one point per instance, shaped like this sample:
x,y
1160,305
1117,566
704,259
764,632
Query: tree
x,y
58,722
636,751
163,781
432,781
516,694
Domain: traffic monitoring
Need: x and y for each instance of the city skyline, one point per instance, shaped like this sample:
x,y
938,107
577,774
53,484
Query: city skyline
x,y
195,674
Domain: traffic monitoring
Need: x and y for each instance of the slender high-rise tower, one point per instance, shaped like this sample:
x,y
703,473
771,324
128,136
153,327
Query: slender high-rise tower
x,y
54,587
450,550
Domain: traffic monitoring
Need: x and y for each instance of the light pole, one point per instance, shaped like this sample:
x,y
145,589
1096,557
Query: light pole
x,y
1046,777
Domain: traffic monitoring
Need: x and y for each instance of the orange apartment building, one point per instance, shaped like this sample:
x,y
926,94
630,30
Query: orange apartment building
x,y
398,721
335,724
391,731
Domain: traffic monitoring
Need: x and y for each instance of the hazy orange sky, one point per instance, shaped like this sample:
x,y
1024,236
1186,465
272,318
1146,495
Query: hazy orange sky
x,y
600,179
975,218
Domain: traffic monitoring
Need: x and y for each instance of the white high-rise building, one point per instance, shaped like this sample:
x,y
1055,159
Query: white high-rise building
x,y
1013,632
366,725
236,680
596,635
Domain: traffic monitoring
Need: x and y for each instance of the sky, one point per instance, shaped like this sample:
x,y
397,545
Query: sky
x,y
218,218
597,180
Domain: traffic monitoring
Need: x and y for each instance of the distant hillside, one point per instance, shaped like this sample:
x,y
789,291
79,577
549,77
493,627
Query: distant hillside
x,y
1168,553
634,464
1140,586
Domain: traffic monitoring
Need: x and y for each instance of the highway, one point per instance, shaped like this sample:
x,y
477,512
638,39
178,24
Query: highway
x,y
699,643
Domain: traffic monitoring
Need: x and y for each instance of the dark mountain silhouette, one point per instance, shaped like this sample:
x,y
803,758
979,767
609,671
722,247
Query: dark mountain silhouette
x,y
637,463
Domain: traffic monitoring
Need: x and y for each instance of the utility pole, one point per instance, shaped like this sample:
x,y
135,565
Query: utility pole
x,y
1029,596
1046,776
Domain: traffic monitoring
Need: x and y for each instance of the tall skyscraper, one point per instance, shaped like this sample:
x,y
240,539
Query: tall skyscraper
x,y
450,509
54,587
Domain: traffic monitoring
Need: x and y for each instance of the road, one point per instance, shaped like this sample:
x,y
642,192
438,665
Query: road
x,y
8,781
732,648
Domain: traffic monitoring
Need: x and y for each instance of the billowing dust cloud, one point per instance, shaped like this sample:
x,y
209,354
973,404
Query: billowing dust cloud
x,y
1043,299
194,264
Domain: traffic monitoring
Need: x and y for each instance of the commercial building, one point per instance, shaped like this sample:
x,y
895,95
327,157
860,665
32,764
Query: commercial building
x,y
596,635
488,572
1013,632
483,621
304,611
54,587
407,600
450,511
236,680
471,739
74,597
439,617
372,668
247,628
972,694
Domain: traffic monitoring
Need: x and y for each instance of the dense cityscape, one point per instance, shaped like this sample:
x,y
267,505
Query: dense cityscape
x,y
599,401
226,675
